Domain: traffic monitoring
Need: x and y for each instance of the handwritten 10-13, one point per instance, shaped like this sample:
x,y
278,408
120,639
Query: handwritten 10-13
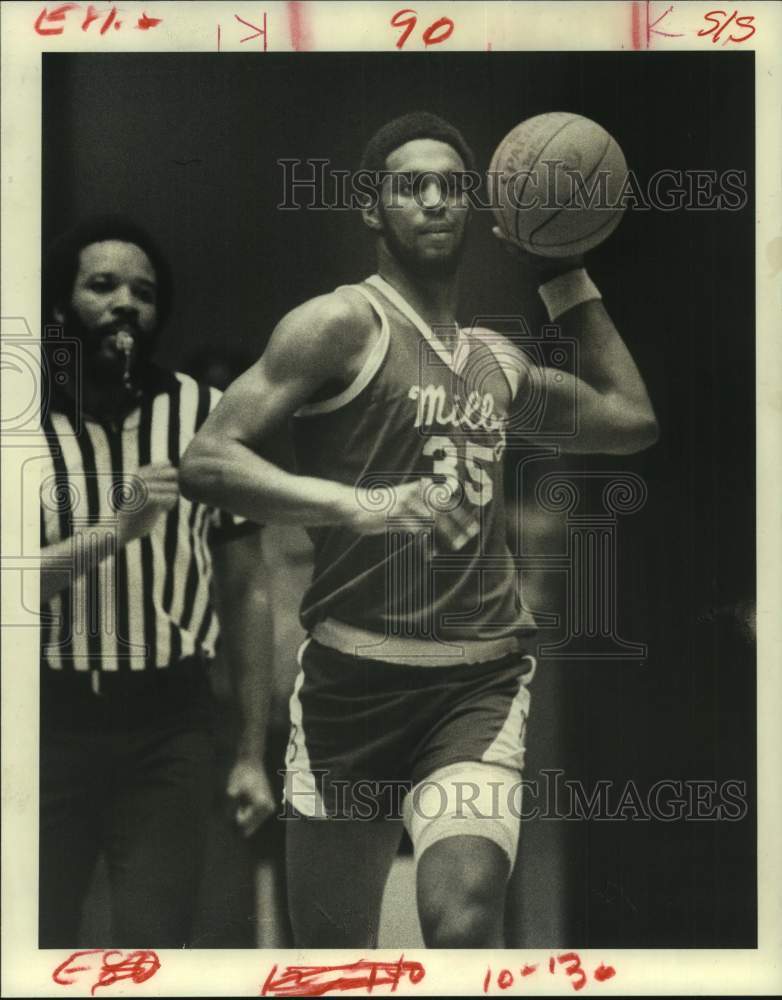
x,y
369,976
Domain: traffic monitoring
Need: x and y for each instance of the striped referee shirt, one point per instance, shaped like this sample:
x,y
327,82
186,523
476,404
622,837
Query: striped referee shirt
x,y
147,604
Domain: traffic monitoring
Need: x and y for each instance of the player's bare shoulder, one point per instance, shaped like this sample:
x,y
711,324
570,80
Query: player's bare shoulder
x,y
331,333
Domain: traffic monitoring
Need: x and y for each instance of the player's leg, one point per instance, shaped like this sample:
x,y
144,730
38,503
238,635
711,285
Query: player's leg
x,y
157,835
463,814
338,855
337,871
71,788
463,821
461,885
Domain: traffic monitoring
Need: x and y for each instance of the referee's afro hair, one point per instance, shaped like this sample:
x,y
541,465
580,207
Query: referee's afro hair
x,y
415,125
62,260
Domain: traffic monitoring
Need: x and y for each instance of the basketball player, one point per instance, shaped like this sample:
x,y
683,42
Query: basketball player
x,y
414,676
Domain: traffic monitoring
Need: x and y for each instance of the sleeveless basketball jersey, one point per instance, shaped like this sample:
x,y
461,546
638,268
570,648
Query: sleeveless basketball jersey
x,y
415,410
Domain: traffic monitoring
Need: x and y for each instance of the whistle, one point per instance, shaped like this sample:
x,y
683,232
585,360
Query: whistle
x,y
125,343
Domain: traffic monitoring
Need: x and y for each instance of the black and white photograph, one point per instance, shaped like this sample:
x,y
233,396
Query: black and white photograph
x,y
393,502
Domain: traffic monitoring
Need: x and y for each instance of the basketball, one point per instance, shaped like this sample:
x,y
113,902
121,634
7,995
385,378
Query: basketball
x,y
556,181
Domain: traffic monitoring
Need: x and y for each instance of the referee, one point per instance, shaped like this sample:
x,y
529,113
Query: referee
x,y
133,577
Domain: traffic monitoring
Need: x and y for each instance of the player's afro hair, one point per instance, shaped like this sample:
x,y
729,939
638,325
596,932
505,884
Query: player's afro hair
x,y
62,260
415,125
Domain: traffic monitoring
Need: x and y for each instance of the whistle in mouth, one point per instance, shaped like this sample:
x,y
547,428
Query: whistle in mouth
x,y
125,343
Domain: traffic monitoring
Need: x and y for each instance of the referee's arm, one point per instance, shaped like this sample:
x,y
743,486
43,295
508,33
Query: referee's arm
x,y
244,612
161,491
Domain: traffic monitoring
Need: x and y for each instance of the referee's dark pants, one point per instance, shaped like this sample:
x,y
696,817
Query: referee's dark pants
x,y
127,772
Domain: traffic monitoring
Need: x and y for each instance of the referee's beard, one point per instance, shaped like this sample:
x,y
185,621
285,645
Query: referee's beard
x,y
101,362
96,382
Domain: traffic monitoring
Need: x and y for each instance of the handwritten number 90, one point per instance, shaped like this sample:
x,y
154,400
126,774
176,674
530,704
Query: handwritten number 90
x,y
436,33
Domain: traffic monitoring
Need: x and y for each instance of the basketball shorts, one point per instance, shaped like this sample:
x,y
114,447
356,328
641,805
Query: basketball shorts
x,y
364,731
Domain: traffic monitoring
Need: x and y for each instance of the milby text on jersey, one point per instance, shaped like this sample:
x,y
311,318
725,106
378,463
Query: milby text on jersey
x,y
416,410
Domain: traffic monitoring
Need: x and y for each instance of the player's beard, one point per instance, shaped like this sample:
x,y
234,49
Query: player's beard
x,y
444,266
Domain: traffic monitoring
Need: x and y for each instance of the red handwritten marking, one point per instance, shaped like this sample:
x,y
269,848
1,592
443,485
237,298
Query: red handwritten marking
x,y
445,26
651,25
109,20
258,31
136,965
572,964
145,22
744,22
435,34
603,972
92,15
643,27
300,39
55,17
572,968
720,28
316,980
716,29
67,969
407,23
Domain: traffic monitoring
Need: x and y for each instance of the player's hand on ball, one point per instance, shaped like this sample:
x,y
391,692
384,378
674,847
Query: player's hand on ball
x,y
251,793
544,268
375,505
433,503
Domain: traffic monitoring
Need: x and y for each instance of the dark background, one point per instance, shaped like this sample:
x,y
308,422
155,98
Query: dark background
x,y
188,144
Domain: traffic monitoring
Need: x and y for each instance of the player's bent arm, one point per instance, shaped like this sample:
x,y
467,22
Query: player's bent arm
x,y
605,401
313,345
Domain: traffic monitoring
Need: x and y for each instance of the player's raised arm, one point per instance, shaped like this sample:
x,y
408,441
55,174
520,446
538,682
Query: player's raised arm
x,y
317,346
613,412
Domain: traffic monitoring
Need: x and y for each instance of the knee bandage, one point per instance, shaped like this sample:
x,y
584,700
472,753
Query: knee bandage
x,y
466,799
